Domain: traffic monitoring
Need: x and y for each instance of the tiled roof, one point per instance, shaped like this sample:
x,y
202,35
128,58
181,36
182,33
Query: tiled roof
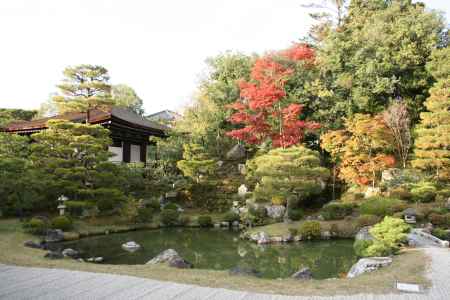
x,y
96,116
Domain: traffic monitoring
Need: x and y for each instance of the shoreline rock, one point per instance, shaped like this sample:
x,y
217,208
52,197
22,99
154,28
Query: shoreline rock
x,y
171,258
369,264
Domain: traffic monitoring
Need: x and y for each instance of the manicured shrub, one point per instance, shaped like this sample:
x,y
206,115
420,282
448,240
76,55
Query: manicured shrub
x,y
171,206
169,217
445,193
336,211
144,215
423,192
231,217
184,220
440,233
36,226
154,204
259,211
61,222
437,219
400,193
204,221
360,247
295,214
351,197
293,231
105,204
367,220
388,235
310,230
379,206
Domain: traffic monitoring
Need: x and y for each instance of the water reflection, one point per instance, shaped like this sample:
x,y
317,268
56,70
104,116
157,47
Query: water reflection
x,y
223,250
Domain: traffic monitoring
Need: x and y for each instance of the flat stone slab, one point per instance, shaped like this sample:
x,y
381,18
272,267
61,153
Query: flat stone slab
x,y
409,287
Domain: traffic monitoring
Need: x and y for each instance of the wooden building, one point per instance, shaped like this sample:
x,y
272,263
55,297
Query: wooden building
x,y
130,132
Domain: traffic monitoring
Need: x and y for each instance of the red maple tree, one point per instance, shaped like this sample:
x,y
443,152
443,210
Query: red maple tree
x,y
263,109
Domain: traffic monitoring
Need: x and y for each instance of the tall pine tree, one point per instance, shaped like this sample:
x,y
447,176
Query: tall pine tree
x,y
84,87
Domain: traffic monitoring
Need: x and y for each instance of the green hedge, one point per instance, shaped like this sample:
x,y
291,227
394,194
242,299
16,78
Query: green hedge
x,y
336,211
381,206
310,230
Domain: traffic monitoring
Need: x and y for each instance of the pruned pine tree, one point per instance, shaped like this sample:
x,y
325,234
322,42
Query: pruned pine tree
x,y
84,87
196,163
293,172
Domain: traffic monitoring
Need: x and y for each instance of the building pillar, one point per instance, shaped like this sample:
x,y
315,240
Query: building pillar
x,y
126,152
143,152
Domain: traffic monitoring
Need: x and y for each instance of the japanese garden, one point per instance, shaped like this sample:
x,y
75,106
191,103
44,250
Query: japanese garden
x,y
320,169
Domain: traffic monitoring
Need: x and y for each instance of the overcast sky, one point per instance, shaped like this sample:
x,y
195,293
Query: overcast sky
x,y
156,47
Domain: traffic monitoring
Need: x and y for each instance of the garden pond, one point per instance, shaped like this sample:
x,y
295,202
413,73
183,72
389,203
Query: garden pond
x,y
219,249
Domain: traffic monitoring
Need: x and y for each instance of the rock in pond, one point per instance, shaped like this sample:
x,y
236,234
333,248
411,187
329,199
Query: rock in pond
x,y
242,271
172,258
54,255
369,264
54,235
131,246
32,244
303,274
263,238
70,253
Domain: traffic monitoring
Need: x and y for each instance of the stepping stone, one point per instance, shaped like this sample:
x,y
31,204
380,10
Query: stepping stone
x,y
409,287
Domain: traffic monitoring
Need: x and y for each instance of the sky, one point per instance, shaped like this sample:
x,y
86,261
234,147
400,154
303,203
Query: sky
x,y
158,47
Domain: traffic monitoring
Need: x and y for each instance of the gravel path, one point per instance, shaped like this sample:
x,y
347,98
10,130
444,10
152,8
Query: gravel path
x,y
40,283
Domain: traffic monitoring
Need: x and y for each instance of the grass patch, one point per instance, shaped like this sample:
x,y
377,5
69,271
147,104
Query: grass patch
x,y
409,267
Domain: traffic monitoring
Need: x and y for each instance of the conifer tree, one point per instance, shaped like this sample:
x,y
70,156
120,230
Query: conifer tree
x,y
85,87
196,163
293,172
432,145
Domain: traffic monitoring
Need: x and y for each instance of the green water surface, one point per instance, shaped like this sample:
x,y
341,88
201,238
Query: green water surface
x,y
222,250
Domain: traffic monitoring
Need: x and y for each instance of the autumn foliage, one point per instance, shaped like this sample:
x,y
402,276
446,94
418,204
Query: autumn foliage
x,y
263,108
361,150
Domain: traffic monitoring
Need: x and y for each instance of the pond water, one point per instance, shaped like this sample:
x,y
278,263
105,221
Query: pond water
x,y
222,250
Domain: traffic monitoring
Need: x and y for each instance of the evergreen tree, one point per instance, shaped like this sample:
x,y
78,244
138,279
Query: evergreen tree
x,y
195,163
85,87
290,173
75,158
378,54
432,145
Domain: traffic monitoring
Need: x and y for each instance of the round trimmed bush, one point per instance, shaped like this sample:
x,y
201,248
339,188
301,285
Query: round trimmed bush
x,y
231,217
61,222
106,204
171,206
367,220
380,206
336,211
204,221
360,247
185,220
169,217
310,230
154,203
36,226
295,214
144,215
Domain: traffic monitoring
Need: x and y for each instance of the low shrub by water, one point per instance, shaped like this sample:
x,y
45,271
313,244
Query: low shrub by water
x,y
336,211
381,206
310,230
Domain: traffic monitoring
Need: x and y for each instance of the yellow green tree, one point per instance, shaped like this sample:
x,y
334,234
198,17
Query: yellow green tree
x,y
432,145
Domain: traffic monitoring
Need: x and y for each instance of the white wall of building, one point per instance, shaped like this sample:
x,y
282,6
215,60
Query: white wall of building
x,y
118,154
135,153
